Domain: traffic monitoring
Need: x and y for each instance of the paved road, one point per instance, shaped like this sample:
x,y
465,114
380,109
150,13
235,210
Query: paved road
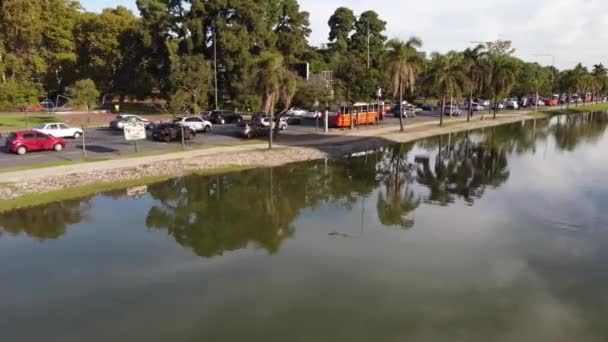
x,y
103,142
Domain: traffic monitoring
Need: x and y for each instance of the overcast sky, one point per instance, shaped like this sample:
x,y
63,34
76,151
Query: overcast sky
x,y
571,30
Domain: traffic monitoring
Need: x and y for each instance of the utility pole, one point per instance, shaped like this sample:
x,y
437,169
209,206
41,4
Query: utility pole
x,y
215,64
368,55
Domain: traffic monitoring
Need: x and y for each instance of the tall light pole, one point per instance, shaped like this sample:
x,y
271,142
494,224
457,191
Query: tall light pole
x,y
215,65
368,55
552,65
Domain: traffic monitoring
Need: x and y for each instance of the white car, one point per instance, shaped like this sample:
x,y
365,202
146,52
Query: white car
x,y
194,123
511,104
265,122
119,122
451,110
312,115
476,107
59,130
296,112
501,105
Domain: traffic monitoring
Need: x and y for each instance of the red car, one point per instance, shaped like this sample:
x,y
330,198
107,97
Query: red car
x,y
551,102
26,141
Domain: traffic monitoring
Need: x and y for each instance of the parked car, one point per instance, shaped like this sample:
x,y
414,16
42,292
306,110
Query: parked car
x,y
194,123
220,117
119,122
451,110
485,103
511,104
297,112
293,120
59,130
265,122
251,130
501,105
28,141
313,115
476,107
170,131
427,107
408,110
552,101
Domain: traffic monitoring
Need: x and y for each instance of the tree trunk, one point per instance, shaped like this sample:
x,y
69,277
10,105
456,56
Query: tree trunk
x,y
270,129
536,101
84,145
495,106
442,111
470,112
401,107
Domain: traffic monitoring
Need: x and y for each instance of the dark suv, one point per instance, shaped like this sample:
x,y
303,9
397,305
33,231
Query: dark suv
x,y
170,131
221,117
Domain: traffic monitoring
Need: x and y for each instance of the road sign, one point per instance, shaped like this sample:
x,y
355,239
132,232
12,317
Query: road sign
x,y
134,130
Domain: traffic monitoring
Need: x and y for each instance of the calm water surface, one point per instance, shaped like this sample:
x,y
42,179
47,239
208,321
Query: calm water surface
x,y
494,235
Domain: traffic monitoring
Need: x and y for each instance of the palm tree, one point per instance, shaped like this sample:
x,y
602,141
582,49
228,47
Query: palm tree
x,y
600,75
402,64
275,85
447,75
476,66
502,74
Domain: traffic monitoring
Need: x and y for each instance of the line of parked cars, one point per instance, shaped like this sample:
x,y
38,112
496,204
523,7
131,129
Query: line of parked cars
x,y
43,137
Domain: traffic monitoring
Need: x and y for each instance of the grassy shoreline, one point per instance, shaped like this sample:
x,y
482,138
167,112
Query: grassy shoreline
x,y
34,199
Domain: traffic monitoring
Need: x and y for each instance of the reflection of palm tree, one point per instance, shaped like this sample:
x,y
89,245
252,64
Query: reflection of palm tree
x,y
398,200
213,215
435,179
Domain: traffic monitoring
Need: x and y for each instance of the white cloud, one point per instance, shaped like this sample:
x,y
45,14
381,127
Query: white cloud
x,y
572,30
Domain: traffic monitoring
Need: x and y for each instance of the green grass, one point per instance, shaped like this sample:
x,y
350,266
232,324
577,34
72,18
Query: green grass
x,y
599,107
18,120
35,199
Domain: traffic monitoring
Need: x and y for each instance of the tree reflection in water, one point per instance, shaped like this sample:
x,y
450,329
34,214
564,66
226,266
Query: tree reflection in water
x,y
397,201
46,222
213,215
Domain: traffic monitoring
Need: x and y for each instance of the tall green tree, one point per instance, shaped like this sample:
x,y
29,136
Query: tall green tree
x,y
447,75
600,76
276,86
98,45
476,61
533,79
58,19
341,25
502,73
402,65
292,31
191,78
84,93
161,25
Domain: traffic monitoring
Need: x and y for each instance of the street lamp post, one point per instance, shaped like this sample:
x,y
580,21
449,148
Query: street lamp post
x,y
215,65
552,72
368,55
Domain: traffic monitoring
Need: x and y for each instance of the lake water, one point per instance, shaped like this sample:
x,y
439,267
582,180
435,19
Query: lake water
x,y
494,235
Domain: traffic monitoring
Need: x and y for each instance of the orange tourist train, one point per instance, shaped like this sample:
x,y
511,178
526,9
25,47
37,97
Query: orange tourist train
x,y
361,114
